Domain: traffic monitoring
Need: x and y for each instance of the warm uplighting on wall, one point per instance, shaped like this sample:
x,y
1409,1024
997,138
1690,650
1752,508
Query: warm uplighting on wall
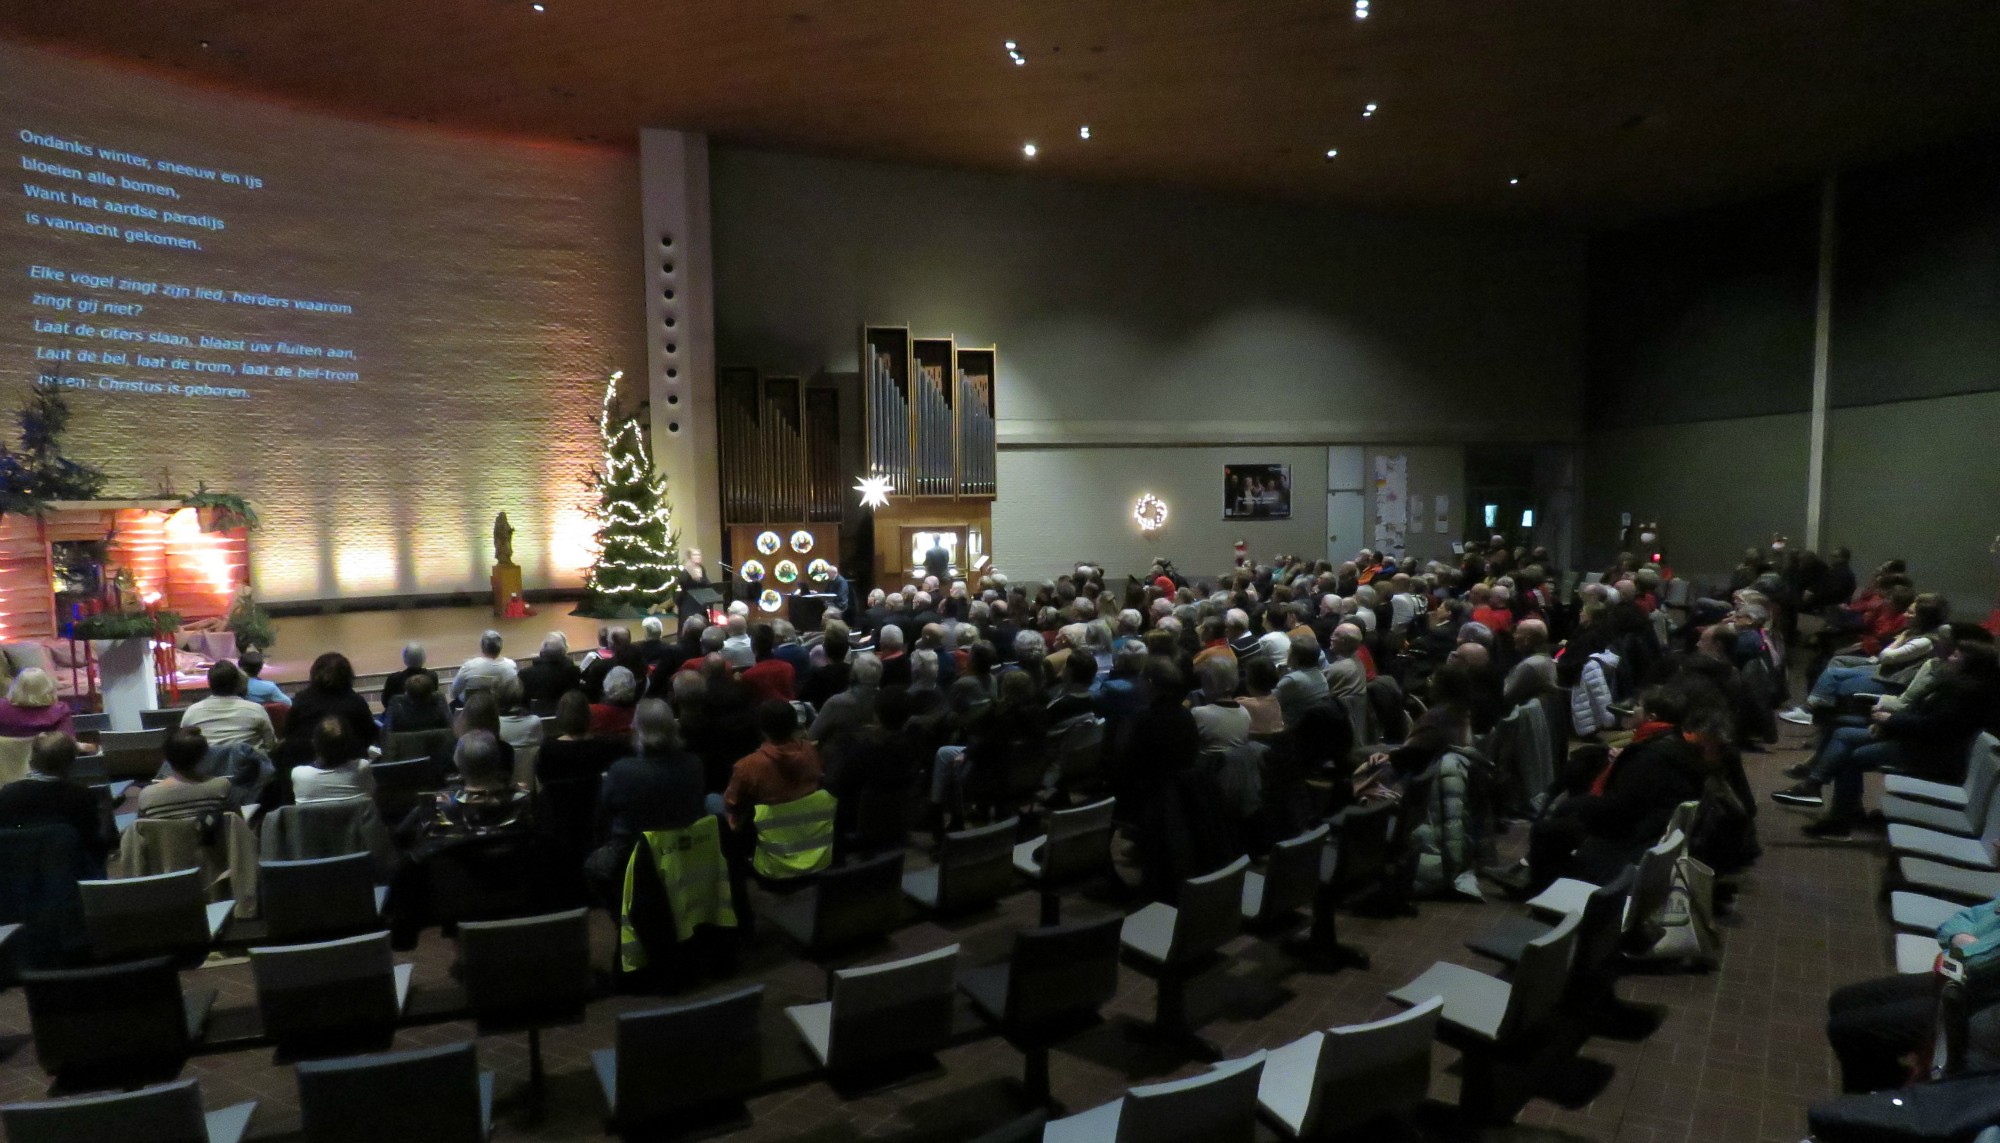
x,y
572,544
364,569
1150,513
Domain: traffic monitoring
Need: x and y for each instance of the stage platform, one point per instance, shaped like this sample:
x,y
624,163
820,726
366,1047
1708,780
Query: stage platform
x,y
373,640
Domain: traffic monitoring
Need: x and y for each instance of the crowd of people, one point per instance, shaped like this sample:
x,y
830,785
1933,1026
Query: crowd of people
x,y
1476,695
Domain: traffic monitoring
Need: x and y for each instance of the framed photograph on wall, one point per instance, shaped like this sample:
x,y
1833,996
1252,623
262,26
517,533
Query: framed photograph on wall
x,y
1256,491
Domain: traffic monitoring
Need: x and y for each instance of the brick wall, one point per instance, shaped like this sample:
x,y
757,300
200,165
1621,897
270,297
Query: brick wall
x,y
493,283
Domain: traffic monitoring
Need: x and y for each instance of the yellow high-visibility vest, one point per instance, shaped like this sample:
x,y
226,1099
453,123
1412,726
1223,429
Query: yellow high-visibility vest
x,y
696,879
796,838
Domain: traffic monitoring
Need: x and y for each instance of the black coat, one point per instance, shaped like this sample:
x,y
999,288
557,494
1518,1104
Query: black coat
x,y
1647,782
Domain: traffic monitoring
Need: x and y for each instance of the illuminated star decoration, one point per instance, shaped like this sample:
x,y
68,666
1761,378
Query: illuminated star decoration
x,y
1150,512
874,491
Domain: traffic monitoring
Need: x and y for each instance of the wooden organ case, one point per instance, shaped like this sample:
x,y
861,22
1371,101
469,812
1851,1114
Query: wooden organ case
x,y
929,409
783,490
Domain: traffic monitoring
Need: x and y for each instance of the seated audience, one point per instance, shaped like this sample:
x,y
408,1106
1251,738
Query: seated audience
x,y
737,650
483,670
256,687
1304,685
238,732
418,707
1260,679
853,708
769,678
339,768
1535,673
186,791
573,753
47,796
329,692
784,769
519,728
550,675
613,716
31,707
1220,721
657,785
413,665
1877,1026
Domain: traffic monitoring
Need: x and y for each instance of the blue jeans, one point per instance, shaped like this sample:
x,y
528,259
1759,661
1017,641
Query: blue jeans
x,y
1837,682
1848,754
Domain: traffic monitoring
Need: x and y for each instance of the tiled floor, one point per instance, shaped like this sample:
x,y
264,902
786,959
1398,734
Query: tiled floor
x,y
1734,1058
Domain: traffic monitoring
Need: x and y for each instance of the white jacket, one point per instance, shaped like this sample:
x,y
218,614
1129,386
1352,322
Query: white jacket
x,y
1590,699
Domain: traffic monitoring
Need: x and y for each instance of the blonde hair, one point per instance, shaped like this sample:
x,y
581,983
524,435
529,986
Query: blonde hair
x,y
32,687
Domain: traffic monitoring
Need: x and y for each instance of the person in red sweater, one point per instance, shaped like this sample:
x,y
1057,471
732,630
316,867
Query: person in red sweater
x,y
1886,619
1497,613
770,679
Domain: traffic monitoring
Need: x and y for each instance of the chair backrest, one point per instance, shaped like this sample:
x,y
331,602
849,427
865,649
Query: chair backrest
x,y
14,758
1681,819
1982,773
124,1022
1080,750
882,816
165,718
1540,979
1654,882
434,744
1210,911
131,752
1990,828
1602,921
491,878
91,722
1365,1071
1062,972
526,970
402,786
1218,1106
689,1054
796,838
170,1113
887,1011
133,917
976,866
430,1095
43,865
1291,875
318,896
326,989
857,902
324,829
1364,848
1079,843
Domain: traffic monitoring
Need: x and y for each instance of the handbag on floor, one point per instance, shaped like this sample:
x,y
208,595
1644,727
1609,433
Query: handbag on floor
x,y
1685,925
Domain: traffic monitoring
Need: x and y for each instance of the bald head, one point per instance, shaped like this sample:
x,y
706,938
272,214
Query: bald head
x,y
1471,654
1346,638
1531,636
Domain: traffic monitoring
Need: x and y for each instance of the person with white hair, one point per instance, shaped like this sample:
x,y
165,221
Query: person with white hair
x,y
875,613
653,645
1346,674
613,716
617,651
895,663
413,664
483,670
550,675
736,648
1031,655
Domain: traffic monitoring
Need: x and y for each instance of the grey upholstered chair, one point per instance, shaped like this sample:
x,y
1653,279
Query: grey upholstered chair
x,y
1342,1078
1076,848
669,1062
1053,984
1178,940
167,914
881,1013
170,1113
974,868
430,1095
1218,1106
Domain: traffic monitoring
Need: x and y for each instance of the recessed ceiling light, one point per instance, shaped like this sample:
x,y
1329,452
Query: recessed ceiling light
x,y
1361,9
1368,111
1011,45
1514,182
1030,150
1020,60
1332,152
1084,131
540,8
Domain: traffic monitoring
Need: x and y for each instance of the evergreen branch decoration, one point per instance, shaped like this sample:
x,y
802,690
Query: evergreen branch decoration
x,y
126,625
228,511
638,551
36,472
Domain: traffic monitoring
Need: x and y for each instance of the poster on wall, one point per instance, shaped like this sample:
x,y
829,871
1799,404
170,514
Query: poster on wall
x,y
1392,502
1256,491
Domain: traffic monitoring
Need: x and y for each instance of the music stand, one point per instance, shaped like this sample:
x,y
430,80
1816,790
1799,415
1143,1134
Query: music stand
x,y
705,598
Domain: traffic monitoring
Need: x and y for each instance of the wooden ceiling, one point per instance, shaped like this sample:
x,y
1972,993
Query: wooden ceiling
x,y
1603,111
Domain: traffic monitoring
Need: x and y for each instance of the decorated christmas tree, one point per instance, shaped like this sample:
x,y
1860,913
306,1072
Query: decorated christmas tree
x,y
638,554
38,472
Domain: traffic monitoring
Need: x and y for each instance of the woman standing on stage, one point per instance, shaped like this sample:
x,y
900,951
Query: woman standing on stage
x,y
693,575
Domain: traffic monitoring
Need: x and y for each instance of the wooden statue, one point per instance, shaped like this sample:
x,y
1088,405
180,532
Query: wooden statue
x,y
503,540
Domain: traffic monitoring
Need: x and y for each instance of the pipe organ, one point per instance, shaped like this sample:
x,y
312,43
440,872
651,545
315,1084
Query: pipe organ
x,y
930,413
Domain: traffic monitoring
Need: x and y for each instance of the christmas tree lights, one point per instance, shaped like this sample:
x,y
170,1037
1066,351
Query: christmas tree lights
x,y
638,553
